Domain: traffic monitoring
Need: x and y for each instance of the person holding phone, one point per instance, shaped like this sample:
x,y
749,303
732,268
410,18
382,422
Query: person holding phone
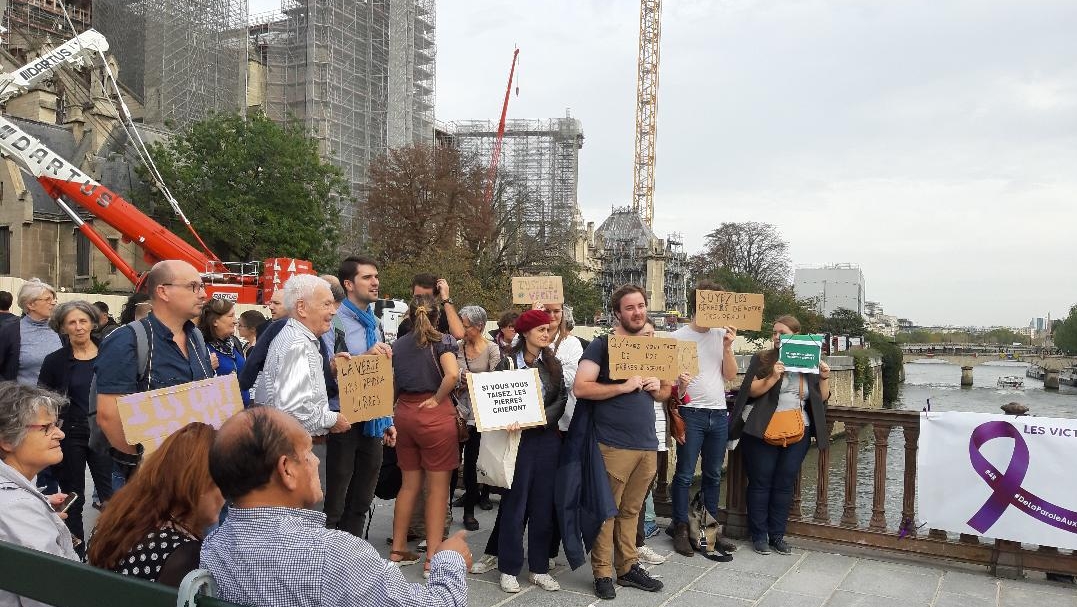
x,y
30,438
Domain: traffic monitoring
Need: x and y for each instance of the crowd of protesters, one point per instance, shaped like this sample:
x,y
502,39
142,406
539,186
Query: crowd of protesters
x,y
275,503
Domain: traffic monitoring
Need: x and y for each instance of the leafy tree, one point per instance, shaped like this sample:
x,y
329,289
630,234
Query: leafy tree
x,y
584,296
749,248
844,321
1066,333
253,188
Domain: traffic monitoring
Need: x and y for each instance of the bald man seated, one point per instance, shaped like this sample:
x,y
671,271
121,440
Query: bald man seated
x,y
273,550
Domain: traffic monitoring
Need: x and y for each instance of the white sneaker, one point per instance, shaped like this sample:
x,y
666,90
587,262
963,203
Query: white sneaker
x,y
650,556
509,583
486,563
542,580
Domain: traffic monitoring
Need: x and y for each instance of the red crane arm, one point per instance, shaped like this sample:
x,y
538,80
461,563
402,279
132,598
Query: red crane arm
x,y
496,157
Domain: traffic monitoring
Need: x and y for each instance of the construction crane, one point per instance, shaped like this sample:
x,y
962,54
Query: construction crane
x,y
491,173
650,34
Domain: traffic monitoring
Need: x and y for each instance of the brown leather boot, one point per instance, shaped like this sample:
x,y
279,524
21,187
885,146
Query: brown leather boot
x,y
680,540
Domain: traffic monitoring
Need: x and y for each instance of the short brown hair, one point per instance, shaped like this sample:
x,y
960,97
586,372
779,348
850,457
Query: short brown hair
x,y
704,285
214,309
622,292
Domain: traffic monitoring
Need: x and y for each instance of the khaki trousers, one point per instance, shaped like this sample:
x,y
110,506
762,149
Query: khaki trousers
x,y
630,473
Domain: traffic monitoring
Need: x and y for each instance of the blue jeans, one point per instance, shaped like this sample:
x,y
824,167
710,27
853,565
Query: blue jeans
x,y
706,432
772,472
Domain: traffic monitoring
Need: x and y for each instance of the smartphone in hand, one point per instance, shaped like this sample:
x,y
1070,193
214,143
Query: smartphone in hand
x,y
68,502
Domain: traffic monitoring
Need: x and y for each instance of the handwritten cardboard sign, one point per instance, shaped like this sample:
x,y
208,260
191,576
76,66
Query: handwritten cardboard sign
x,y
151,417
542,289
725,309
688,357
644,356
366,387
502,398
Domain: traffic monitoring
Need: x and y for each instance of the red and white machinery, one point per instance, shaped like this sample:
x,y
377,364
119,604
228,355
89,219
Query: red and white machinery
x,y
66,183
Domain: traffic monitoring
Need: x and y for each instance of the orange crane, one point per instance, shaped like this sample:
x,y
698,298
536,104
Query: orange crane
x,y
491,174
650,34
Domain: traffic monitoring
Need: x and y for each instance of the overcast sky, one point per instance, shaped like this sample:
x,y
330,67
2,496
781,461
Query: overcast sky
x,y
932,142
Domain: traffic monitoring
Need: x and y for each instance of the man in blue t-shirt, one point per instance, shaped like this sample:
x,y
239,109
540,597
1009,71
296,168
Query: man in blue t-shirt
x,y
178,295
624,427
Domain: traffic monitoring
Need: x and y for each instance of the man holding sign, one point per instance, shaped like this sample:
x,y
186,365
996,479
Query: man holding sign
x,y
706,420
624,427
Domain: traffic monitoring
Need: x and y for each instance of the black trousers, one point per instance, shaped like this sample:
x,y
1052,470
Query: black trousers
x,y
71,472
352,464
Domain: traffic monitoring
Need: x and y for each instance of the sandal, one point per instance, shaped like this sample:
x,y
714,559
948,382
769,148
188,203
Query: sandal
x,y
406,557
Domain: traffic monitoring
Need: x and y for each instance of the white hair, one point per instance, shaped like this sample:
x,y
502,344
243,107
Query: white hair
x,y
33,289
301,287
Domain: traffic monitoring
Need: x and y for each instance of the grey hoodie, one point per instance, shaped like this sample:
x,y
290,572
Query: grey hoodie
x,y
29,521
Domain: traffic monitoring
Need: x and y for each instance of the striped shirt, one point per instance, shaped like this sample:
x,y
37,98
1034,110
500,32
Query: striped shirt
x,y
292,379
285,556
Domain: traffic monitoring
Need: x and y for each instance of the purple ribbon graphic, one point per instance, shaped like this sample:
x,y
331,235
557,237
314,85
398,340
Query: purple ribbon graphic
x,y
1006,487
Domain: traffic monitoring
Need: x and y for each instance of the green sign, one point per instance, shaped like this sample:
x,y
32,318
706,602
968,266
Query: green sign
x,y
801,352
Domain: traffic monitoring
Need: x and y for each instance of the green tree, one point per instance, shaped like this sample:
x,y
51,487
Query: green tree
x,y
254,189
777,301
750,248
844,321
893,362
1066,333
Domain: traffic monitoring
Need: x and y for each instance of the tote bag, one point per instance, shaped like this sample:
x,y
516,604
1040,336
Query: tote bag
x,y
497,457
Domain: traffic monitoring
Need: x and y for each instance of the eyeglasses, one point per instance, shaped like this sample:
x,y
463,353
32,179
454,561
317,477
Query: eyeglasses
x,y
193,286
47,299
46,429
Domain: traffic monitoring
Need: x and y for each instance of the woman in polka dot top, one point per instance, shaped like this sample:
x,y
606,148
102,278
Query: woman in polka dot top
x,y
153,527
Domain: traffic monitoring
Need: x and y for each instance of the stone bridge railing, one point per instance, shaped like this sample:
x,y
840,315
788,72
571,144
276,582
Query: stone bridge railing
x,y
842,523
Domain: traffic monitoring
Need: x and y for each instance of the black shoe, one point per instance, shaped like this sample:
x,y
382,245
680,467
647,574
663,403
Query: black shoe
x,y
637,577
604,588
485,503
781,547
761,547
471,523
681,543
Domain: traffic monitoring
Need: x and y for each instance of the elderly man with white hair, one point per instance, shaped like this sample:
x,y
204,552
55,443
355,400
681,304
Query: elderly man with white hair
x,y
292,379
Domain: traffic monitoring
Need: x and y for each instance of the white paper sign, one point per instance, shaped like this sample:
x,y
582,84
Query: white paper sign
x,y
502,398
999,476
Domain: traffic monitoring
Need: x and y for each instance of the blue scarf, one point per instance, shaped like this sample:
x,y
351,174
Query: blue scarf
x,y
374,428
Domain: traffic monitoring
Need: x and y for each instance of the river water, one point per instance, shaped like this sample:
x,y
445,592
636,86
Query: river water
x,y
941,383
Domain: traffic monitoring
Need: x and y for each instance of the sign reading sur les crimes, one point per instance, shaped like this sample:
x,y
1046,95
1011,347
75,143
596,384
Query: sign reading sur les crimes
x,y
725,309
537,289
502,398
644,356
150,417
366,387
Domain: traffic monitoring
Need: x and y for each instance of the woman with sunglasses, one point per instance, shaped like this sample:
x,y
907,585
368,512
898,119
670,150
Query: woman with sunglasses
x,y
30,438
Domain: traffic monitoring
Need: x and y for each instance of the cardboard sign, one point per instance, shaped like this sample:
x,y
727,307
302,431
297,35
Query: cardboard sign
x,y
688,357
502,398
644,356
725,309
366,387
541,289
151,417
801,353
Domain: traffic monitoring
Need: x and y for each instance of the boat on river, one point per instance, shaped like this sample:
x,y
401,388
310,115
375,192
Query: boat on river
x,y
1035,371
1011,381
1068,376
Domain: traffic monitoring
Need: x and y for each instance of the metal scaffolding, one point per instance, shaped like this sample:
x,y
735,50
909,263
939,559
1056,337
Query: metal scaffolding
x,y
184,60
41,18
358,75
541,160
628,252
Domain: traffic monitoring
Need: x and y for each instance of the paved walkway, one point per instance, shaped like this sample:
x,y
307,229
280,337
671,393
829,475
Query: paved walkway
x,y
807,578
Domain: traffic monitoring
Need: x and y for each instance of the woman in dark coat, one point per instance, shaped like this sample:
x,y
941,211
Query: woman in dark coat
x,y
772,469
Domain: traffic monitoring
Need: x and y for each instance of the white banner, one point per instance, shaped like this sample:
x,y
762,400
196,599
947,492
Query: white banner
x,y
502,398
998,476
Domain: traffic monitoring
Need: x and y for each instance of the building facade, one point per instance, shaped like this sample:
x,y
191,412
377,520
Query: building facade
x,y
832,287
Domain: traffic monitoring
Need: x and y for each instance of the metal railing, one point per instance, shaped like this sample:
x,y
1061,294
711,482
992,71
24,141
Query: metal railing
x,y
1003,558
65,583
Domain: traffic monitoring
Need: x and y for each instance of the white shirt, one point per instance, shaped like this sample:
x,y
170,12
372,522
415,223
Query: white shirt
x,y
292,379
569,352
707,390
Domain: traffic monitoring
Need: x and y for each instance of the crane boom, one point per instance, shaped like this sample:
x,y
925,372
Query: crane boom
x,y
491,174
650,34
75,52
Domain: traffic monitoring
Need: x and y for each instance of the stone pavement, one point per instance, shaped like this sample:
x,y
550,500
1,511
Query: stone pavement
x,y
807,578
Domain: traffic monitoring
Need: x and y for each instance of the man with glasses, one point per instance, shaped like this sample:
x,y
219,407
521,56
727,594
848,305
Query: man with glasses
x,y
177,354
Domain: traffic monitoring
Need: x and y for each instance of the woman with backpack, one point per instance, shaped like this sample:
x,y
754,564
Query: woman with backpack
x,y
771,400
218,326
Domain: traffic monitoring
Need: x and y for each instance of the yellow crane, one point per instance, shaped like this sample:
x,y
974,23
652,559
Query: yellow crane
x,y
650,34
